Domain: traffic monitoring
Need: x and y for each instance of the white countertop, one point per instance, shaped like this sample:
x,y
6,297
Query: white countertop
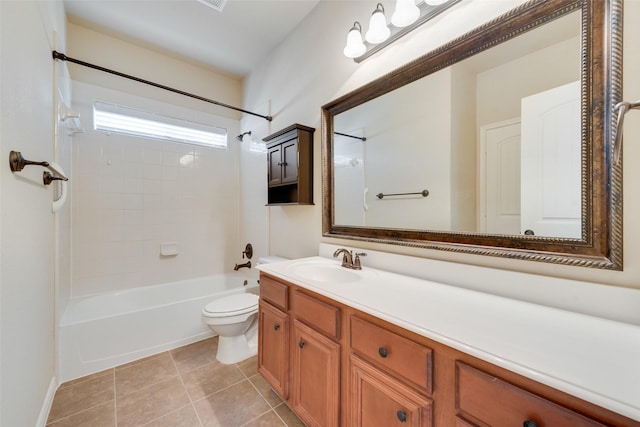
x,y
592,358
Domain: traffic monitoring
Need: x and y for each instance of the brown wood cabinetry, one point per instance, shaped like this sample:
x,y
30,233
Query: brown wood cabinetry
x,y
290,166
315,377
349,368
381,400
485,400
273,348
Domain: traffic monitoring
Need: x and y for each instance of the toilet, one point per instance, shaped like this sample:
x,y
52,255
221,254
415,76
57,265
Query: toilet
x,y
234,318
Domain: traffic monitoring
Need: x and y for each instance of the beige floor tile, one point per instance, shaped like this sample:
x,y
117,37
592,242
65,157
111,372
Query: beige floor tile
x,y
183,417
143,360
270,419
149,403
265,390
195,355
132,377
232,407
289,418
210,378
82,395
86,378
98,416
249,367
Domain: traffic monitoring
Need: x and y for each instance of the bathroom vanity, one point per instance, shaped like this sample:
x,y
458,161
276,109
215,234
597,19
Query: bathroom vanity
x,y
374,348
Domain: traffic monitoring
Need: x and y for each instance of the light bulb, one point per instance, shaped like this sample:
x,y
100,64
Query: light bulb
x,y
435,2
406,13
355,47
378,30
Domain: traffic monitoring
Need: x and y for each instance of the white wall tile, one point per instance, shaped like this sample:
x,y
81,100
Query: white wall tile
x,y
140,193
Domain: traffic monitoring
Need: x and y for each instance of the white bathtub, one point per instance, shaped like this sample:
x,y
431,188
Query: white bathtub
x,y
103,331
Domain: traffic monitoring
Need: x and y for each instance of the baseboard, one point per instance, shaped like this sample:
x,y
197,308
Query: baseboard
x,y
48,401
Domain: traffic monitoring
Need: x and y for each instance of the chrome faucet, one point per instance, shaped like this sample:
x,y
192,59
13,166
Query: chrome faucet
x,y
347,258
239,266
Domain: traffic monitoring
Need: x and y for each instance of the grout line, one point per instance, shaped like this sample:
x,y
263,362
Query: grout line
x,y
262,415
170,377
278,415
193,406
167,414
79,412
115,402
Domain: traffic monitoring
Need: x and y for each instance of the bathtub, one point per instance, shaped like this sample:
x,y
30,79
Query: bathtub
x,y
103,331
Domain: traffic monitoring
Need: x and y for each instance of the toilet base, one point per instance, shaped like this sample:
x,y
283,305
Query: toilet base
x,y
238,348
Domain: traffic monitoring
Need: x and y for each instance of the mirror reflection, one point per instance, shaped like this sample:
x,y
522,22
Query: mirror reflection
x,y
495,140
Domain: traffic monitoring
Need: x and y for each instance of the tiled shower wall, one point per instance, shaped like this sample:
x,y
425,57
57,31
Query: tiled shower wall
x,y
130,195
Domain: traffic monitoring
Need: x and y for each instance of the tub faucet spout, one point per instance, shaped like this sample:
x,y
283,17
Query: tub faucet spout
x,y
239,266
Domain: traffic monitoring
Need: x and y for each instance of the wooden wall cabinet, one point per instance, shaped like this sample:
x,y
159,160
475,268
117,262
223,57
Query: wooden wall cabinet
x,y
290,166
348,368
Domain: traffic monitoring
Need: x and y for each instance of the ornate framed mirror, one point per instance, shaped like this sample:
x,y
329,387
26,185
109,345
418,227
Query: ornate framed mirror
x,y
508,129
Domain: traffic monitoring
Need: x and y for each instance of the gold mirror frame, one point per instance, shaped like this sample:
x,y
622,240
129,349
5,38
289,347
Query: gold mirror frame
x,y
601,85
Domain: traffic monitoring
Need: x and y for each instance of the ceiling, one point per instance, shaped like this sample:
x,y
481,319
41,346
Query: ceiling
x,y
233,41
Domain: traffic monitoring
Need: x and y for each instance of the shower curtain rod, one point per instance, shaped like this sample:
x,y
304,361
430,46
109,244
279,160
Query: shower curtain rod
x,y
63,57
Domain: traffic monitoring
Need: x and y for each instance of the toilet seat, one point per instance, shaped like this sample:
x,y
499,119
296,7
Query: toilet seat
x,y
232,305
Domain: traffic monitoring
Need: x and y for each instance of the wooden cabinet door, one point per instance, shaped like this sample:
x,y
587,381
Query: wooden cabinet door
x,y
290,161
315,371
274,160
273,348
380,400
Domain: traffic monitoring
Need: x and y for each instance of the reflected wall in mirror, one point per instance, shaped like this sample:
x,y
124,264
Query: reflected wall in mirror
x,y
508,130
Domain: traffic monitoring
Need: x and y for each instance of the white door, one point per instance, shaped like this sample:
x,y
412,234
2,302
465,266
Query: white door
x,y
551,162
500,178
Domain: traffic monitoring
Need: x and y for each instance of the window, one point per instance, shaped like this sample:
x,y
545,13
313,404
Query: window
x,y
130,121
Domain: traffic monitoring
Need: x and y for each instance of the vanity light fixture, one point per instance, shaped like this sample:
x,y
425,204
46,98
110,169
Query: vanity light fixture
x,y
378,30
406,13
407,16
355,47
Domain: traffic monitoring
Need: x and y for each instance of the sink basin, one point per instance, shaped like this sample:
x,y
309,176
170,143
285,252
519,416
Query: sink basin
x,y
325,273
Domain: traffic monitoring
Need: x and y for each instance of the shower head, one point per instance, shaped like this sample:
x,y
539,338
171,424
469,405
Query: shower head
x,y
239,137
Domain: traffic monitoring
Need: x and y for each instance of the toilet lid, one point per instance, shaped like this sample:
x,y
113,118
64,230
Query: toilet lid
x,y
233,304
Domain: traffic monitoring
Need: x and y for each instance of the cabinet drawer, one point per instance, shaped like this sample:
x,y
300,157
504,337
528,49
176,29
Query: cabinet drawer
x,y
322,316
275,292
393,352
490,401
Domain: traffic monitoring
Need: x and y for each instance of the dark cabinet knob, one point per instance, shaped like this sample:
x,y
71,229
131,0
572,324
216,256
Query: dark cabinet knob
x,y
276,326
402,416
301,344
383,352
529,423
529,233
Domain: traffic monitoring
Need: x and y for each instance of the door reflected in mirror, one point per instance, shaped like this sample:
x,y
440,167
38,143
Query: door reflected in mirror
x,y
495,139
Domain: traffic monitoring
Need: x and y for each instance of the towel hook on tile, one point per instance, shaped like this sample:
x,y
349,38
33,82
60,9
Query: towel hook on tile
x,y
17,162
622,108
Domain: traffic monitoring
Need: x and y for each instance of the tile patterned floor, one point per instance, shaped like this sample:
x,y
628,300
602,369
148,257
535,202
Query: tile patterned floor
x,y
185,387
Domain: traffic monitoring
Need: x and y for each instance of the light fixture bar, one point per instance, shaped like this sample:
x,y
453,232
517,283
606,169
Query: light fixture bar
x,y
427,12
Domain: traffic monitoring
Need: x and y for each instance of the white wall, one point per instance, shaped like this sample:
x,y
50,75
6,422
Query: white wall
x,y
309,70
28,33
420,126
504,86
